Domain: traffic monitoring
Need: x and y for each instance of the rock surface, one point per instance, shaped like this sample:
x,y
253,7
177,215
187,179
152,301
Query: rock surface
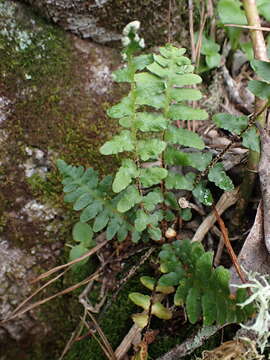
x,y
54,92
103,20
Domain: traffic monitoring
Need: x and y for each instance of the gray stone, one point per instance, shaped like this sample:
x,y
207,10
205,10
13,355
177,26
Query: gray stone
x,y
15,272
103,20
37,127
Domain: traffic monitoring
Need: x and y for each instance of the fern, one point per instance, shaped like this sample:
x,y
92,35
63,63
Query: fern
x,y
96,202
202,289
156,101
141,196
140,200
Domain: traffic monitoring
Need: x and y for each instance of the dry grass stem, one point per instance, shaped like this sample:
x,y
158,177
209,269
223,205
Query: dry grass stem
x,y
60,293
69,264
249,27
35,293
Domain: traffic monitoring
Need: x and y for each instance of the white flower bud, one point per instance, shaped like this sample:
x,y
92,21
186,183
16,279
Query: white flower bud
x,y
132,26
125,41
142,43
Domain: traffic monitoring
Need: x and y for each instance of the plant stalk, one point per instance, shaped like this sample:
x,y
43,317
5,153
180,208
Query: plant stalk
x,y
260,53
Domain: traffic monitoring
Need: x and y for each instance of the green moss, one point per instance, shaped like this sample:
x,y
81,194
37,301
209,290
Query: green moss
x,y
115,323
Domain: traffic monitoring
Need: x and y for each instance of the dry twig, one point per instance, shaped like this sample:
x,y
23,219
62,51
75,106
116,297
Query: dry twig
x,y
60,293
69,264
227,199
249,27
228,245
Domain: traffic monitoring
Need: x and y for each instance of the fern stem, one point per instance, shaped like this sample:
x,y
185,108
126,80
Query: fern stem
x,y
133,129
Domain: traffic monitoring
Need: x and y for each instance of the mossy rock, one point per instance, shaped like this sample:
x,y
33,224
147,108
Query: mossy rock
x,y
57,89
90,19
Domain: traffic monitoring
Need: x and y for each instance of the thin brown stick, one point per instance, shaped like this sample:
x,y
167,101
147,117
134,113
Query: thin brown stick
x,y
134,335
36,292
75,334
200,35
169,22
228,245
211,15
227,199
60,267
103,337
191,31
104,349
249,27
253,18
250,175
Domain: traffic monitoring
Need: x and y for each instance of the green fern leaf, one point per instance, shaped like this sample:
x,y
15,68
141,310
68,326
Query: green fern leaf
x,y
184,94
152,199
193,305
179,182
83,233
83,201
112,228
124,108
124,175
203,194
218,176
251,140
209,308
154,233
101,221
119,143
91,211
234,124
197,160
130,197
186,79
150,149
152,176
76,252
182,112
184,137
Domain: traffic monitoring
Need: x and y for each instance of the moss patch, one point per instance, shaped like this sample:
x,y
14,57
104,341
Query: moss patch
x,y
47,76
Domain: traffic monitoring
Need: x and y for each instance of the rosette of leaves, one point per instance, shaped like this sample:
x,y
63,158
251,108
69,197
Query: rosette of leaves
x,y
202,289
